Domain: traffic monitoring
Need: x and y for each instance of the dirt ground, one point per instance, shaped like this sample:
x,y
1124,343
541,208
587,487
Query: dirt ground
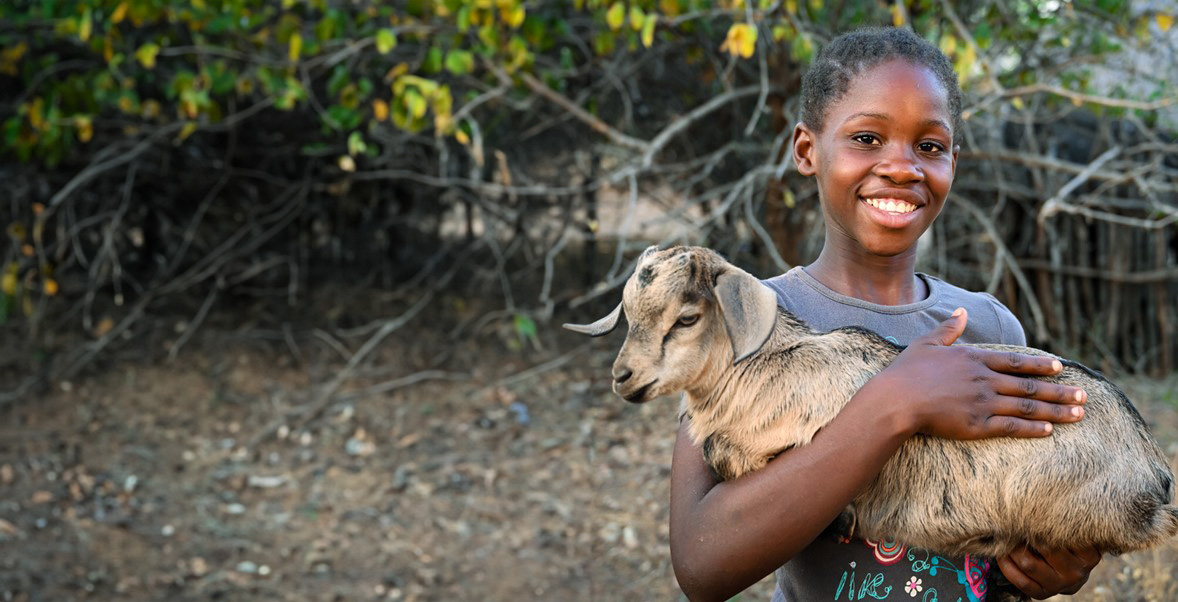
x,y
519,476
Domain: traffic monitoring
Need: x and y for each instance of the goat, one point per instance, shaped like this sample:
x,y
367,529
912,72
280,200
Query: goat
x,y
758,381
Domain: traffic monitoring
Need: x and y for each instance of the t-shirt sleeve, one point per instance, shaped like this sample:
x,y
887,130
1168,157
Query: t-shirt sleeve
x,y
1012,332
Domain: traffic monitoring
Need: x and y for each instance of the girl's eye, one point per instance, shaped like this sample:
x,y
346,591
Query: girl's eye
x,y
930,147
687,320
871,139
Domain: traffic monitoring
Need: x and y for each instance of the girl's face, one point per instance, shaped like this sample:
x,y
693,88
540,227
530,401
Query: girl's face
x,y
885,159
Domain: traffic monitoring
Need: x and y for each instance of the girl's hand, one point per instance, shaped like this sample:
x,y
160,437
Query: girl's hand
x,y
959,392
1041,575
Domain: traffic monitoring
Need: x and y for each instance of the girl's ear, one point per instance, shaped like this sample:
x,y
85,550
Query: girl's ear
x,y
804,152
956,150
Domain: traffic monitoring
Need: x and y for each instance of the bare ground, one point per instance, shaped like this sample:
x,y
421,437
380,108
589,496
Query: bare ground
x,y
139,483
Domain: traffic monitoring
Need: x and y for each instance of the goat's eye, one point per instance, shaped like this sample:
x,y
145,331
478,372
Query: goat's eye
x,y
687,320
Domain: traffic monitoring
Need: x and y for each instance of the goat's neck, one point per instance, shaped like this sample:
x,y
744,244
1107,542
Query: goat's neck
x,y
719,375
716,371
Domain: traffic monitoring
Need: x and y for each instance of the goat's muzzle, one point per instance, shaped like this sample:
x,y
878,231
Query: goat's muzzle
x,y
636,396
622,376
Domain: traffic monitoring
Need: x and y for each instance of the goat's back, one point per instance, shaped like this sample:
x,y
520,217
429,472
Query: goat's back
x,y
1100,482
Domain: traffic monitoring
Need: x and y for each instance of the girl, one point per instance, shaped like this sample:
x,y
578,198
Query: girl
x,y
880,115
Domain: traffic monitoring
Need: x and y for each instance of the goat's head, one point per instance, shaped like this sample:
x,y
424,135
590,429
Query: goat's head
x,y
690,313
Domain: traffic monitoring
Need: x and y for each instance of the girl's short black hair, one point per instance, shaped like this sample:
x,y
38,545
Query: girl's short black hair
x,y
852,53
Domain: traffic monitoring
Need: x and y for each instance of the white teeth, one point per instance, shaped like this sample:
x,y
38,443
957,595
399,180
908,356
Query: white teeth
x,y
892,205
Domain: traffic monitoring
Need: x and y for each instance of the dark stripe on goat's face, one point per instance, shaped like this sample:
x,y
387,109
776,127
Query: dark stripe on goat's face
x,y
645,277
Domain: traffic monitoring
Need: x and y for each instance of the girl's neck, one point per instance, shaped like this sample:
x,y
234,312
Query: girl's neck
x,y
871,278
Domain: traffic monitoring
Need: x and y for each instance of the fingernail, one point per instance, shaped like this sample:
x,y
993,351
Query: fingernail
x,y
1056,366
1080,395
957,312
1048,428
1077,412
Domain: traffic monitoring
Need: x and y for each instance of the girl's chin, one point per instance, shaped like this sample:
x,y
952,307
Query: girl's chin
x,y
891,246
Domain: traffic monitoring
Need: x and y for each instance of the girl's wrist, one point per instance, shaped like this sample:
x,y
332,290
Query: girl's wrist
x,y
894,418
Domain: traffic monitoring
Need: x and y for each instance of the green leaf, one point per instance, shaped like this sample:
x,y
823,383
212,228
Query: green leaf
x,y
442,101
637,18
433,60
386,40
343,118
86,25
462,20
325,29
339,78
615,16
525,327
356,144
648,29
349,96
415,102
489,35
146,54
459,62
802,48
295,47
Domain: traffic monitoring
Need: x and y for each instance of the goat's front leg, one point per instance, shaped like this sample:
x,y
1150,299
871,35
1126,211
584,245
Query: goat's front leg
x,y
729,461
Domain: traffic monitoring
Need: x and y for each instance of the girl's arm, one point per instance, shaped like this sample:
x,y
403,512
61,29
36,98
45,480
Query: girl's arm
x,y
725,536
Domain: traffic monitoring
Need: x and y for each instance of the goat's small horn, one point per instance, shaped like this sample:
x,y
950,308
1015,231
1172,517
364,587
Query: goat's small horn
x,y
605,325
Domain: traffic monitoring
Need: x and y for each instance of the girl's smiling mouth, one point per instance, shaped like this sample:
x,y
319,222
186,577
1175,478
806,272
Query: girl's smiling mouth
x,y
891,212
891,205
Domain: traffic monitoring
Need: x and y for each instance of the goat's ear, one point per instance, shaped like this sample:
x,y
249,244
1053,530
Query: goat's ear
x,y
605,325
750,311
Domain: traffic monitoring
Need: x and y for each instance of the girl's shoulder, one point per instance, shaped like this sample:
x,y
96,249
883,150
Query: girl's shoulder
x,y
982,307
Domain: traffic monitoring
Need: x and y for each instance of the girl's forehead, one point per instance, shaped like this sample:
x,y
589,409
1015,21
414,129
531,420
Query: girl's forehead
x,y
886,76
891,84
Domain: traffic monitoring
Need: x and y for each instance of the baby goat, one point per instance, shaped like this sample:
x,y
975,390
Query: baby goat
x,y
758,381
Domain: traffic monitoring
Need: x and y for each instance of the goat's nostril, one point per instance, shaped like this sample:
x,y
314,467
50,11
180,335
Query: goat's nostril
x,y
623,375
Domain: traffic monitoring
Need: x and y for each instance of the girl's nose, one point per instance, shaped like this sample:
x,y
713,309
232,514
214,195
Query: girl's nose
x,y
900,165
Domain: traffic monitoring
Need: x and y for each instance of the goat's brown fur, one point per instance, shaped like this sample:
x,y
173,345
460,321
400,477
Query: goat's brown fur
x,y
1102,482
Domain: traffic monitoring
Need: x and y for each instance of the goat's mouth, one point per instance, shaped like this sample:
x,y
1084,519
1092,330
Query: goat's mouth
x,y
639,395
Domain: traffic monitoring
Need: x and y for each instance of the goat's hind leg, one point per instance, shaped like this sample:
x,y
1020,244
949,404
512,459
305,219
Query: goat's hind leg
x,y
846,522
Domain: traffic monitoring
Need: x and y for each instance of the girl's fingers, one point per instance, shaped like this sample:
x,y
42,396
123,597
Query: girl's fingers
x,y
1005,384
1012,569
1064,570
1029,409
945,333
1009,426
1011,362
1090,557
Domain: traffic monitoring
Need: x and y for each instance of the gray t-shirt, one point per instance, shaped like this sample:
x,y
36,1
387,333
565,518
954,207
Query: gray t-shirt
x,y
833,567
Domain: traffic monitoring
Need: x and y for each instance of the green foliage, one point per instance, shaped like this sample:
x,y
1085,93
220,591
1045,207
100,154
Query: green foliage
x,y
525,329
125,67
449,94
